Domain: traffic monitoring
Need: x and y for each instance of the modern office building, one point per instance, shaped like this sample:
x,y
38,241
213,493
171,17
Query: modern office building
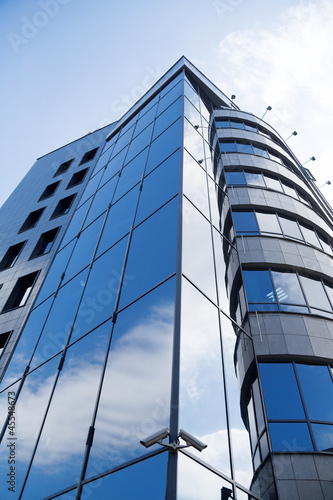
x,y
166,311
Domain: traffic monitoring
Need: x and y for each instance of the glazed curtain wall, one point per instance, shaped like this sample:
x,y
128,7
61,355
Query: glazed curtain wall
x,y
133,315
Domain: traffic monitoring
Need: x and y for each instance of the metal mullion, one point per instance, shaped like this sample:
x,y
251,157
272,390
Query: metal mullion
x,y
307,418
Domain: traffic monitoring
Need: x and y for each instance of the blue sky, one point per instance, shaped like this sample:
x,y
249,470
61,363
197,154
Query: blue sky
x,y
72,66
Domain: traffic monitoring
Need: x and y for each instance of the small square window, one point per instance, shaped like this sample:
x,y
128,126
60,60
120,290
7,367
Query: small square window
x,y
49,190
21,292
63,206
11,256
89,155
77,178
3,340
32,219
63,167
45,243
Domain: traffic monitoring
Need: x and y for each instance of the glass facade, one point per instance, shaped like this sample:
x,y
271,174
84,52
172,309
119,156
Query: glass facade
x,y
142,322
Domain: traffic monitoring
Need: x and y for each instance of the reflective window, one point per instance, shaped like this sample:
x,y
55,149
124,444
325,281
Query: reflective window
x,y
268,223
254,179
131,174
11,256
45,243
259,286
228,147
289,389
245,223
63,206
273,183
315,293
145,119
20,292
235,178
152,254
91,186
169,97
32,219
170,115
290,437
281,394
164,145
140,142
287,288
49,191
101,201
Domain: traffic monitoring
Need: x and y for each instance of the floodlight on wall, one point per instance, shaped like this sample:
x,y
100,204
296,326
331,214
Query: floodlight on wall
x,y
226,493
267,109
233,97
157,438
310,159
294,133
327,182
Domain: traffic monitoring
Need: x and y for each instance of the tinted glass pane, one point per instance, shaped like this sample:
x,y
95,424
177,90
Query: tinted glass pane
x,y
145,119
268,223
289,190
152,254
91,186
273,183
131,174
310,236
329,291
222,124
76,223
325,245
122,141
254,179
235,178
245,222
290,437
244,148
290,228
191,94
140,142
323,435
287,288
167,117
135,398
170,97
252,128
101,201
192,114
159,186
260,151
100,294
259,287
228,147
143,480
164,145
281,394
113,167
234,124
317,387
315,293
58,446
119,220
195,184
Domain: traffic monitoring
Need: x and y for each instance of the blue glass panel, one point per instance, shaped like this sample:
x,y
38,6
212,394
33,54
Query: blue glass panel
x,y
234,124
317,387
152,254
170,97
135,398
140,142
114,167
263,307
76,223
281,394
60,443
91,186
195,184
144,480
164,145
28,339
228,147
244,148
254,179
260,151
192,114
222,123
159,187
84,248
191,94
60,319
30,407
259,287
287,288
119,220
100,294
323,435
122,141
168,116
57,268
101,201
315,293
235,178
145,119
252,128
290,437
245,223
131,174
